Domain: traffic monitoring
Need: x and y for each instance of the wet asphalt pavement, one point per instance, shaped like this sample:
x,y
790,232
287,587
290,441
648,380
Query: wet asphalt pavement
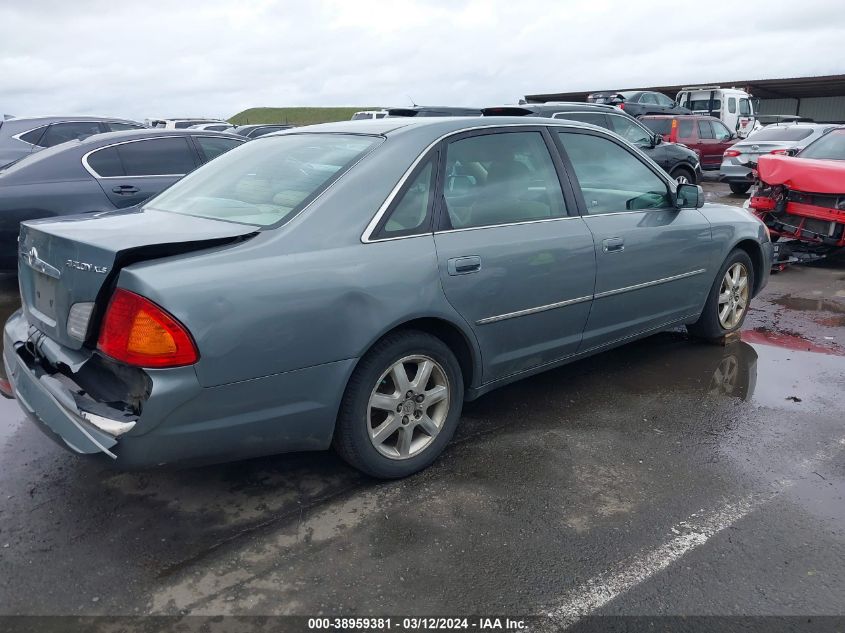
x,y
665,477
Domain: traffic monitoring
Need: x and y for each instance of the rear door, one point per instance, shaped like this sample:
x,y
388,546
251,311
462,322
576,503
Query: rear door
x,y
652,259
515,259
132,171
708,147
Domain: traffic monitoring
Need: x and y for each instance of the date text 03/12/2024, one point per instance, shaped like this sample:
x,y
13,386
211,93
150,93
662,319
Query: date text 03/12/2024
x,y
419,623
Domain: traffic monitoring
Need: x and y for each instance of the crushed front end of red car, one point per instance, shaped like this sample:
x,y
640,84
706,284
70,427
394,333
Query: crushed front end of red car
x,y
801,199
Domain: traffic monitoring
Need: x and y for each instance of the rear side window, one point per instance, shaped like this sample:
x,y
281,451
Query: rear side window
x,y
117,126
685,127
268,182
612,179
33,136
63,132
647,97
660,126
106,163
411,215
213,146
704,130
157,157
500,179
596,118
781,133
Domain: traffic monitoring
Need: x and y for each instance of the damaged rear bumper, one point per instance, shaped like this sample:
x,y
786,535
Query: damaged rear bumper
x,y
51,405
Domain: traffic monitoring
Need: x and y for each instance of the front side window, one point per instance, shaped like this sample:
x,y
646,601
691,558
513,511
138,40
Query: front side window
x,y
630,131
722,133
213,146
831,146
265,182
499,179
411,214
612,179
659,126
732,105
704,129
663,100
157,157
63,132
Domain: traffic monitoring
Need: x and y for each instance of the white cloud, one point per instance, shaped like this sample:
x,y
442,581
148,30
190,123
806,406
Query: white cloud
x,y
218,57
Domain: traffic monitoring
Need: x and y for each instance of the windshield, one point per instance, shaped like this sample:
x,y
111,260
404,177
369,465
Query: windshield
x,y
831,146
780,133
264,182
661,126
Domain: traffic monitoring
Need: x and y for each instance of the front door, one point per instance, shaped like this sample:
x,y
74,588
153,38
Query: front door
x,y
515,259
652,259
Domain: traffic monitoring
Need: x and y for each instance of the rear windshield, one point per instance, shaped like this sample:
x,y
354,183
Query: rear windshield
x,y
267,181
831,146
781,133
661,126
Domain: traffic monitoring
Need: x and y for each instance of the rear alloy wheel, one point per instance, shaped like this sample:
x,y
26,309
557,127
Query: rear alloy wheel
x,y
739,188
730,295
401,405
682,176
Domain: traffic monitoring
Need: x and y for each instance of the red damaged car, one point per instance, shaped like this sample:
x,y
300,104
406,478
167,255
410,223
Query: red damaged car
x,y
803,197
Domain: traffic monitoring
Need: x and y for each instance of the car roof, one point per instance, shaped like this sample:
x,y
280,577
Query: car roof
x,y
436,126
550,107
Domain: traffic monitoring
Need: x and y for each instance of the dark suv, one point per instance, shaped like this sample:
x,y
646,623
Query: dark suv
x,y
680,162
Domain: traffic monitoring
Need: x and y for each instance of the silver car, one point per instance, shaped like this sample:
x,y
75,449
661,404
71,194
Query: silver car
x,y
772,139
352,284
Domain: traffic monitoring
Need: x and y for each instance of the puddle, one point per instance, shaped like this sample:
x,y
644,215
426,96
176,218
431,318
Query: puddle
x,y
801,304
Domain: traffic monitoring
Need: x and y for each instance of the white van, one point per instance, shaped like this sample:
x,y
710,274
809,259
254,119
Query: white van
x,y
736,108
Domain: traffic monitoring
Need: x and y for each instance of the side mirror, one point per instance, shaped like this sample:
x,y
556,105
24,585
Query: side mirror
x,y
793,151
657,139
688,196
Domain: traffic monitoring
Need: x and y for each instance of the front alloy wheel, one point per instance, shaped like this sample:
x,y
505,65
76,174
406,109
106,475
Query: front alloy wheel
x,y
733,296
408,407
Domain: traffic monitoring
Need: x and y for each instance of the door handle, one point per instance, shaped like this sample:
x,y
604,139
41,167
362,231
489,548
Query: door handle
x,y
613,245
464,265
125,190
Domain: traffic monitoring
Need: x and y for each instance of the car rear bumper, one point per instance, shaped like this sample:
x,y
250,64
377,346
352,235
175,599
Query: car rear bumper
x,y
180,421
735,174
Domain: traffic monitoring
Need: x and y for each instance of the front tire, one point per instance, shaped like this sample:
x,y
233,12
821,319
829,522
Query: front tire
x,y
401,406
682,175
727,304
739,189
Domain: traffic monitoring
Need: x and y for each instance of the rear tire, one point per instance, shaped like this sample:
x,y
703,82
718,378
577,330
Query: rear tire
x,y
381,429
682,175
730,295
739,188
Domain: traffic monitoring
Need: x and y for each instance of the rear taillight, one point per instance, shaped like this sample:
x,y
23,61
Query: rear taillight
x,y
782,152
621,106
730,153
138,332
6,388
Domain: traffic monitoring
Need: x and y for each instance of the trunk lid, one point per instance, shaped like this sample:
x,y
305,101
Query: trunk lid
x,y
76,259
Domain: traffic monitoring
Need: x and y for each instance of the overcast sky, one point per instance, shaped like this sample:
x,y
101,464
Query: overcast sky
x,y
218,57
